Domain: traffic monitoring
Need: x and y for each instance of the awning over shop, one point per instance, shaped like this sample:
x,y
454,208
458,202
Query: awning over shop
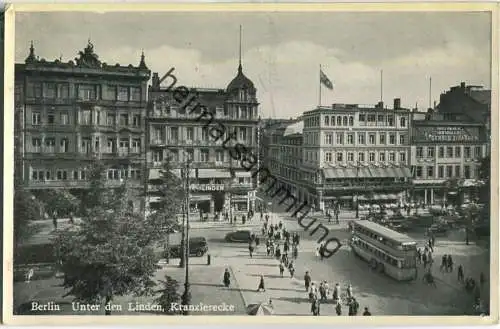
x,y
377,172
364,173
243,174
155,173
213,173
332,173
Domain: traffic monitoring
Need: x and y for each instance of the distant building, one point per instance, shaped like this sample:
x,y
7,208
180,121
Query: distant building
x,y
472,101
445,157
349,154
69,114
218,183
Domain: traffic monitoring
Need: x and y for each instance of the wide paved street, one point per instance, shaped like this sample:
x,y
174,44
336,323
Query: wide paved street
x,y
383,295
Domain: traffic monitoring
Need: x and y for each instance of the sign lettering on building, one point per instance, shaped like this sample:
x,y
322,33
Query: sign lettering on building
x,y
446,134
207,187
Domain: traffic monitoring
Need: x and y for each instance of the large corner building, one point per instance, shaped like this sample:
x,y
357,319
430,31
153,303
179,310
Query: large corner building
x,y
218,183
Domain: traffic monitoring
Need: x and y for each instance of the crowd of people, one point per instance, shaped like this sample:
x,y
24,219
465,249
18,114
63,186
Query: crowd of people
x,y
284,247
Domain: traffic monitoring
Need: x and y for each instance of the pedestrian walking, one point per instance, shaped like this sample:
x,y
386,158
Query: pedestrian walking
x,y
277,252
227,278
353,307
444,263
460,273
424,260
295,252
262,286
307,280
322,291
29,275
366,312
282,269
315,308
336,293
338,309
268,249
291,269
349,291
450,264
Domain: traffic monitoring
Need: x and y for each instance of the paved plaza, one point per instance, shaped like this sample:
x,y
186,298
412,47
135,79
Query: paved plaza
x,y
381,294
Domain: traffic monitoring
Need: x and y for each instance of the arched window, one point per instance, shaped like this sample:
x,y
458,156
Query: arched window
x,y
339,121
333,120
327,120
351,121
344,121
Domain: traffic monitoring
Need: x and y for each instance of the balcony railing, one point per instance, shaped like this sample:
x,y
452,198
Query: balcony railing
x,y
133,183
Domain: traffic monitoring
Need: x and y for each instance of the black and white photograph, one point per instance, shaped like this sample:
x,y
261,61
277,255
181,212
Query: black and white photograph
x,y
252,163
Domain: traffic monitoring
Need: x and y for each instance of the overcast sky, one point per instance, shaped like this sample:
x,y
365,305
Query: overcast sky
x,y
282,51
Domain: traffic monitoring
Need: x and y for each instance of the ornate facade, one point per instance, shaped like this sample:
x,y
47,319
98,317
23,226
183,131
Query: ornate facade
x,y
71,113
218,183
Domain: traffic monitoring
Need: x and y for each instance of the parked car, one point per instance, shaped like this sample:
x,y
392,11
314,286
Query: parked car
x,y
198,247
238,236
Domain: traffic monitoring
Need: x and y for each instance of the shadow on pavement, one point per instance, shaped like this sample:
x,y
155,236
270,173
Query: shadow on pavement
x,y
266,276
296,300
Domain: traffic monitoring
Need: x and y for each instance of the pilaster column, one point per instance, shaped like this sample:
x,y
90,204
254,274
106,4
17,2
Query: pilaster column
x,y
425,196
432,196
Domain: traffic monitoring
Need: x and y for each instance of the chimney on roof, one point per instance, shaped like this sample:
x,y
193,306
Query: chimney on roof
x,y
380,105
462,85
397,103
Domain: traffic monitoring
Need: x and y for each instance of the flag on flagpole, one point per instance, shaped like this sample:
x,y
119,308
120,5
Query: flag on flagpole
x,y
325,81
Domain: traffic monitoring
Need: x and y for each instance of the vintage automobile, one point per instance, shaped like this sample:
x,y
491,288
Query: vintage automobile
x,y
198,247
241,236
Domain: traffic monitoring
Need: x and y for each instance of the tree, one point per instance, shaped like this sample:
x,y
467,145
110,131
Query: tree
x,y
27,210
111,254
59,202
171,195
169,295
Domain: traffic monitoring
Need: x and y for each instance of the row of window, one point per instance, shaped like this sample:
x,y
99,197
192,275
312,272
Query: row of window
x,y
349,138
201,133
451,152
61,174
86,117
83,91
339,156
445,172
203,155
233,112
48,144
348,120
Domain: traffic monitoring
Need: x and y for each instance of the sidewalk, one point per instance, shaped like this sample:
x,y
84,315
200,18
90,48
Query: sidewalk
x,y
474,259
288,295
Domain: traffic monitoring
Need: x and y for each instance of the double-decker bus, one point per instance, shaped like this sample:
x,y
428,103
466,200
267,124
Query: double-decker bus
x,y
387,251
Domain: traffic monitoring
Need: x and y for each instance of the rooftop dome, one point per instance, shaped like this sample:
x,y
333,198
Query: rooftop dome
x,y
240,81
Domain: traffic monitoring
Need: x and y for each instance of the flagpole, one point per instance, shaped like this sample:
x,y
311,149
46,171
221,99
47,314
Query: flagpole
x,y
319,85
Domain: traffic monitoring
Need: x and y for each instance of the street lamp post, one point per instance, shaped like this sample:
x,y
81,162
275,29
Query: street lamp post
x,y
186,297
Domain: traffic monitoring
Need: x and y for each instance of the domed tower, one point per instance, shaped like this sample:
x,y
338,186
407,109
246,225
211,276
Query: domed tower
x,y
241,100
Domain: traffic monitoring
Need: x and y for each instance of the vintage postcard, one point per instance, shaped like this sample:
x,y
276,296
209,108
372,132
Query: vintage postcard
x,y
251,163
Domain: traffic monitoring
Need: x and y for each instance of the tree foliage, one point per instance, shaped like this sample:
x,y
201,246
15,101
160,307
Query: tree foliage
x,y
168,295
169,189
59,202
111,253
27,210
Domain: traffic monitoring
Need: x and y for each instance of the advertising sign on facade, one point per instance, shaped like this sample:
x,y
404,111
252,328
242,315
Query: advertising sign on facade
x,y
446,134
207,187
